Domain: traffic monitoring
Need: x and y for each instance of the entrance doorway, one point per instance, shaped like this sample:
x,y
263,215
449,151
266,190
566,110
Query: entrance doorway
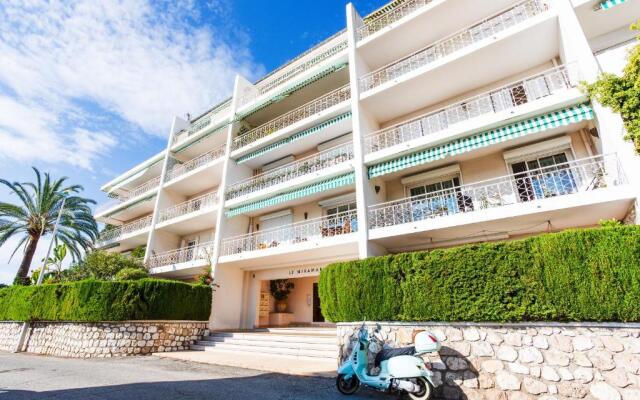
x,y
317,311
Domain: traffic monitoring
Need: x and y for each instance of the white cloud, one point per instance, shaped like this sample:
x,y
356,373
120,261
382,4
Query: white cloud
x,y
64,63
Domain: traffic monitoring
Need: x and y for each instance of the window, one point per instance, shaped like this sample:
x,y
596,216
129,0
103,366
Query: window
x,y
340,209
543,176
436,198
339,220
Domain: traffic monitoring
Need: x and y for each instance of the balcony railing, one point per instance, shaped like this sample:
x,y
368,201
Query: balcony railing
x,y
200,123
140,190
269,84
181,169
372,26
557,180
478,32
291,235
308,165
117,233
202,251
505,98
190,206
313,107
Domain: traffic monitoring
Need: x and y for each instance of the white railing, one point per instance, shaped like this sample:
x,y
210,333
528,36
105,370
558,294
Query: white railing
x,y
462,39
373,25
190,206
139,190
200,123
188,166
504,98
117,233
290,235
269,84
557,180
308,165
313,107
202,251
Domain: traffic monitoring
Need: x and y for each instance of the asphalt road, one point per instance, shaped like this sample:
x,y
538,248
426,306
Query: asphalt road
x,y
24,376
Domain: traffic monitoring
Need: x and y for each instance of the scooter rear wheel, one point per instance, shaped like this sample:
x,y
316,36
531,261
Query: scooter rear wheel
x,y
426,390
347,387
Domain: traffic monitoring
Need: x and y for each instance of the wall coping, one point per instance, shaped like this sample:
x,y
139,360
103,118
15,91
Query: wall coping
x,y
601,325
139,321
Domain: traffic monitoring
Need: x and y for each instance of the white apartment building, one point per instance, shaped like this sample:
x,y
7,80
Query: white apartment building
x,y
426,124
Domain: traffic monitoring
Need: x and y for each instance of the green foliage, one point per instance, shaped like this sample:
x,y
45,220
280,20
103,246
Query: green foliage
x,y
281,288
101,265
576,275
91,300
138,252
609,223
131,274
622,93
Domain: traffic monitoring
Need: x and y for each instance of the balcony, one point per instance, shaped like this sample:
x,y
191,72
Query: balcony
x,y
314,165
465,38
503,99
395,14
125,231
319,105
181,218
146,187
575,193
202,123
299,242
184,261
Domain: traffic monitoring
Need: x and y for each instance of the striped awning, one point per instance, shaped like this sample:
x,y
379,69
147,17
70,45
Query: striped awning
x,y
187,143
328,184
540,123
605,5
295,137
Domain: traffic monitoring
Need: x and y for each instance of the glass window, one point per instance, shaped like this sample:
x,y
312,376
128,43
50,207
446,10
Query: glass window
x,y
433,199
543,177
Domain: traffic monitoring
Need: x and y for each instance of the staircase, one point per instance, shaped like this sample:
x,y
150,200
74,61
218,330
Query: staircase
x,y
319,344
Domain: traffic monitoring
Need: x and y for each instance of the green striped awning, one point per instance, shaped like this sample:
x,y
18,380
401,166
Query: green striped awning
x,y
187,143
132,205
328,184
293,138
540,123
605,5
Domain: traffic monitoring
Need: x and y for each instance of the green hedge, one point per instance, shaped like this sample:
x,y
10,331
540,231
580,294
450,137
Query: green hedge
x,y
576,275
91,300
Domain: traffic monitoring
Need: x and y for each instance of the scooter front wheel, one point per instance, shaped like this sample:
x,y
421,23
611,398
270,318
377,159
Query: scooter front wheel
x,y
426,389
347,386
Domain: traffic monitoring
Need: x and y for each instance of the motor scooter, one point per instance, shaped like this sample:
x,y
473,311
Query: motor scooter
x,y
401,370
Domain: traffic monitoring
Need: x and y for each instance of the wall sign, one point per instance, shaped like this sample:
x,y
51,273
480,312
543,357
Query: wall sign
x,y
304,271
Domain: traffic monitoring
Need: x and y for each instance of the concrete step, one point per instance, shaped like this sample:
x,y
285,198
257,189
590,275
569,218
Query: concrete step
x,y
301,331
267,342
282,351
272,337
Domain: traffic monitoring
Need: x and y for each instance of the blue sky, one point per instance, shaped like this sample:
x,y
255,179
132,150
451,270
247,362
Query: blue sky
x,y
88,89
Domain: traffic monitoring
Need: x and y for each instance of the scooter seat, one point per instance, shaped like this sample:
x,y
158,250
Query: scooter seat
x,y
386,354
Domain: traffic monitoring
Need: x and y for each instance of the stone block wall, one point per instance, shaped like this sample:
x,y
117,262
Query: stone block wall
x,y
103,339
524,361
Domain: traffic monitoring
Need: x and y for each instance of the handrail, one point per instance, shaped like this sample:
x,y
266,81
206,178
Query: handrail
x,y
185,254
488,27
181,169
328,226
116,233
313,107
307,165
371,26
575,176
504,98
190,206
137,191
199,124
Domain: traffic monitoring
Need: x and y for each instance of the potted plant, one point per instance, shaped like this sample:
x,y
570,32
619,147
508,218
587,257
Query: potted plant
x,y
280,290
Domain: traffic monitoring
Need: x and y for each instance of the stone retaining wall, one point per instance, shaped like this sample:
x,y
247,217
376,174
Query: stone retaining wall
x,y
525,361
103,339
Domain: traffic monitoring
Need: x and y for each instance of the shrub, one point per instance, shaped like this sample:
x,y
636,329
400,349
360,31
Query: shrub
x,y
131,274
591,274
100,265
92,300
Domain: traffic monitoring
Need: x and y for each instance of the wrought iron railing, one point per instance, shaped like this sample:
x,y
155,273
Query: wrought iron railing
x,y
553,181
114,234
188,166
139,190
373,25
462,39
190,206
201,123
202,251
270,84
313,107
291,235
308,165
507,97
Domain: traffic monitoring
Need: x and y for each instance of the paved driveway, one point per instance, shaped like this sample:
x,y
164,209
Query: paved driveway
x,y
24,376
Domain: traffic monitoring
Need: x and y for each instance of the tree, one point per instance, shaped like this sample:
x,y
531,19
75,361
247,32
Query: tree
x,y
35,217
101,265
622,93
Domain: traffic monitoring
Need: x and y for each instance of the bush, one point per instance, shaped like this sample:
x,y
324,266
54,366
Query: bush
x,y
100,265
131,274
92,300
576,275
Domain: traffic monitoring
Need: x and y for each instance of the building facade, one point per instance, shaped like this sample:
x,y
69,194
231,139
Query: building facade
x,y
426,124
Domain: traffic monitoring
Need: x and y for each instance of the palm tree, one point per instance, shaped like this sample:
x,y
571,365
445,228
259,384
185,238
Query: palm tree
x,y
36,215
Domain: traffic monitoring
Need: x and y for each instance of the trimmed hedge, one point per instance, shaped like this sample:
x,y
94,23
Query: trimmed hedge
x,y
576,275
91,300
